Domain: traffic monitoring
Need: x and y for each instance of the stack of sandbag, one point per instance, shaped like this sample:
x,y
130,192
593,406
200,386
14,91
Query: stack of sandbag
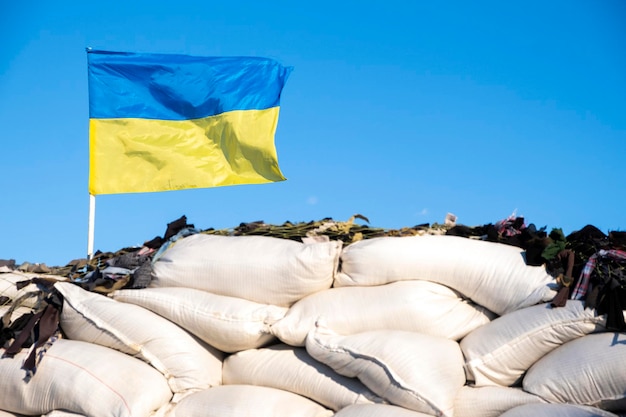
x,y
181,333
239,287
391,326
68,377
543,355
264,270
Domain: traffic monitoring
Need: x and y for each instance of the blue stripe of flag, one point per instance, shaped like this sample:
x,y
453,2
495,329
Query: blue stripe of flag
x,y
180,87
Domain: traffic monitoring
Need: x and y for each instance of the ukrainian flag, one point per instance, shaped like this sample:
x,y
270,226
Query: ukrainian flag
x,y
160,122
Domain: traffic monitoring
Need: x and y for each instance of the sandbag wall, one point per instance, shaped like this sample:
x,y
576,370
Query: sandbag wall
x,y
262,326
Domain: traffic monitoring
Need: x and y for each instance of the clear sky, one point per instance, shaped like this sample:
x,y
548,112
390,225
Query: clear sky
x,y
401,111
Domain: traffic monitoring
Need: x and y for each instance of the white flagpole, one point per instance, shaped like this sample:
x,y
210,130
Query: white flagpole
x,y
92,221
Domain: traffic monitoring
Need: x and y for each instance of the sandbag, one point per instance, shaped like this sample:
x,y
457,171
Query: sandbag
x,y
500,352
292,369
267,270
411,370
490,401
186,363
590,370
419,306
377,410
556,410
494,275
83,378
229,324
246,400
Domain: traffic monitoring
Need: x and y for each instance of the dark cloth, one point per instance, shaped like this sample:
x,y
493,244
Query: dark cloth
x,y
511,231
11,330
565,280
607,287
154,243
172,229
176,226
617,240
45,317
37,330
467,231
130,260
142,276
96,281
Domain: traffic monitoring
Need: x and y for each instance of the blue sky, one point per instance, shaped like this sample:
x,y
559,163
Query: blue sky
x,y
401,111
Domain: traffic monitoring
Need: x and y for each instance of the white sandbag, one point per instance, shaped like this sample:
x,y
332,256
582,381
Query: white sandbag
x,y
419,306
85,379
500,352
411,370
556,410
293,369
230,324
377,410
263,269
590,370
246,400
490,401
494,275
187,363
9,289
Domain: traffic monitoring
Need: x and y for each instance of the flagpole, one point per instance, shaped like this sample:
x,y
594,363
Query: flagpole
x,y
92,221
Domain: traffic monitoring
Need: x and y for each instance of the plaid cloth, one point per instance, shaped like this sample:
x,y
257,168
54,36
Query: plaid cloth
x,y
583,282
510,226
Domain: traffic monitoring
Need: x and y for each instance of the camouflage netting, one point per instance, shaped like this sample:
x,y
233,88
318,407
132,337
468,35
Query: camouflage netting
x,y
563,256
347,231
